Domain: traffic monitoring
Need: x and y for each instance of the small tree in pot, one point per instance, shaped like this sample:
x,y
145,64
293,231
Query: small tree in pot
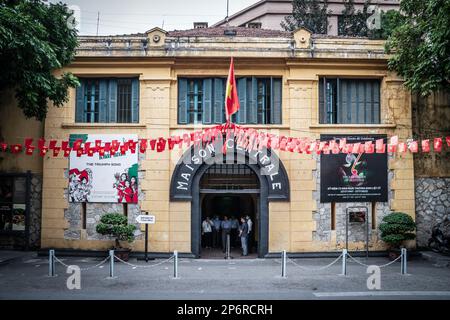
x,y
396,228
116,225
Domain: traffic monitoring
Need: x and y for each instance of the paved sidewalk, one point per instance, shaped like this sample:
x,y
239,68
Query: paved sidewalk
x,y
236,279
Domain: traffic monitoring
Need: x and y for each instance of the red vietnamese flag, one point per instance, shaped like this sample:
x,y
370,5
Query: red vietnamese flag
x,y
231,97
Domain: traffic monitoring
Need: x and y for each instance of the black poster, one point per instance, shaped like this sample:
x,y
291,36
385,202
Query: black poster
x,y
353,177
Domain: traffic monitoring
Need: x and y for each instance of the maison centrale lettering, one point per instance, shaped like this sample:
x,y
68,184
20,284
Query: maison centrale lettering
x,y
265,164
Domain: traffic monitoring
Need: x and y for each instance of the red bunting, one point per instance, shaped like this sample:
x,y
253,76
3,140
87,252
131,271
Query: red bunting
x,y
43,151
161,145
28,142
413,146
437,145
52,144
426,145
56,151
448,141
29,150
16,148
143,145
3,146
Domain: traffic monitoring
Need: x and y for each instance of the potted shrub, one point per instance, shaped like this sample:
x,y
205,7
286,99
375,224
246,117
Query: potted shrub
x,y
116,225
395,229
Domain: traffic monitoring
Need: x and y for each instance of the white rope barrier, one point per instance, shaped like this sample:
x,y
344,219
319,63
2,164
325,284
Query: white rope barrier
x,y
367,265
83,269
318,268
134,266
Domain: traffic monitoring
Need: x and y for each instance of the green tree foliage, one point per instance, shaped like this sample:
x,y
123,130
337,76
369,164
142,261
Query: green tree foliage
x,y
396,228
421,46
309,14
353,23
36,38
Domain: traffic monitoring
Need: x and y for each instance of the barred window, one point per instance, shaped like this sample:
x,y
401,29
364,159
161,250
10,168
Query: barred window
x,y
349,101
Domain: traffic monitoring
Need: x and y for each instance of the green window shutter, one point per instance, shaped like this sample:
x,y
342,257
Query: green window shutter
x,y
112,100
241,115
182,101
80,115
322,111
252,109
207,100
219,100
376,102
135,101
103,105
276,105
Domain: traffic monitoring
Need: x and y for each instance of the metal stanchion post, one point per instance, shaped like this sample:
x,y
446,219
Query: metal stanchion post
x,y
228,248
283,264
51,263
111,263
175,264
404,262
344,262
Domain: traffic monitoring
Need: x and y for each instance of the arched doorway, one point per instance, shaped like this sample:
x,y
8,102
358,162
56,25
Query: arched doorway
x,y
235,187
231,191
258,175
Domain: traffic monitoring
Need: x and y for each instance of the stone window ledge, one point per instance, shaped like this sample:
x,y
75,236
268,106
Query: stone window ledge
x,y
255,126
357,126
103,125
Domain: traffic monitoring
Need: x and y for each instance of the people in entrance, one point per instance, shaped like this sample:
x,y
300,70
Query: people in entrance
x,y
207,226
234,231
226,231
250,235
216,231
243,234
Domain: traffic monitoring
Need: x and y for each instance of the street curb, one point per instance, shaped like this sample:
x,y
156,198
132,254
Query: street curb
x,y
437,259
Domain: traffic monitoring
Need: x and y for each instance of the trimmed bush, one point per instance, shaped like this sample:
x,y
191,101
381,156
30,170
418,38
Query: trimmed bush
x,y
116,225
396,228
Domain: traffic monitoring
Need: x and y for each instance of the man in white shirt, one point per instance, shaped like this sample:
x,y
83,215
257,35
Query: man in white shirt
x,y
207,232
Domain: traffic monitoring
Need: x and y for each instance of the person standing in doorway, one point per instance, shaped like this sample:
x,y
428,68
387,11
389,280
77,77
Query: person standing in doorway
x,y
243,234
207,232
226,231
250,234
234,231
216,231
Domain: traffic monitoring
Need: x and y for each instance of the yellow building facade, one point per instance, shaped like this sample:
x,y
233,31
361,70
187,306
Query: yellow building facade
x,y
159,59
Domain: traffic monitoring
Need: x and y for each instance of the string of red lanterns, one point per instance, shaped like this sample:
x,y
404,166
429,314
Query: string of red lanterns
x,y
247,138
